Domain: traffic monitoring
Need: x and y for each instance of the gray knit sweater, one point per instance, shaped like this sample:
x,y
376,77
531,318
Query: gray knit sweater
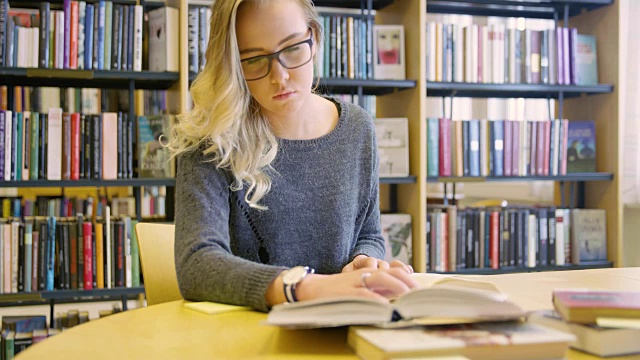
x,y
323,210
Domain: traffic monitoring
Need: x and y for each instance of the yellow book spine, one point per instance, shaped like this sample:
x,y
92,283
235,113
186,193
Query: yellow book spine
x,y
99,257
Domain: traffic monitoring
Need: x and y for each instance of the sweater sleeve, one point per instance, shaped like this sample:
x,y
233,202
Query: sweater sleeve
x,y
206,268
369,240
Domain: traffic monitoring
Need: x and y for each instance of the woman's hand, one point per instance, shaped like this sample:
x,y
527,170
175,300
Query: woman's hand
x,y
379,284
366,262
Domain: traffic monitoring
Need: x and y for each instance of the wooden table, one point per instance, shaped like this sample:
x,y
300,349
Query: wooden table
x,y
171,331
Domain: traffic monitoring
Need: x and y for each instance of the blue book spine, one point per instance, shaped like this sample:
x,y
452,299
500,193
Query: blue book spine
x,y
88,37
498,147
474,147
101,25
51,247
433,136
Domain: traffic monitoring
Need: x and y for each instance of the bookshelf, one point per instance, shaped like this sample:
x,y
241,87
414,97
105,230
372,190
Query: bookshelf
x,y
127,80
598,102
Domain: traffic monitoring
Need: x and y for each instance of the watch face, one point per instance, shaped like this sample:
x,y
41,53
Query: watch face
x,y
294,275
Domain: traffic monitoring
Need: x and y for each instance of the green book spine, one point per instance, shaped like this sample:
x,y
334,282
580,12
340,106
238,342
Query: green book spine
x,y
107,34
34,139
432,146
135,255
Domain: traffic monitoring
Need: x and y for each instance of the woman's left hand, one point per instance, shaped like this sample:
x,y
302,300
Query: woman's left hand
x,y
366,262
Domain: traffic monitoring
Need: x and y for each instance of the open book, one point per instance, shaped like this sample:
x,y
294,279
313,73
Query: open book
x,y
439,300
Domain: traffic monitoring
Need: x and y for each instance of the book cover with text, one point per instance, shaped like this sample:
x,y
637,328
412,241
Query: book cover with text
x,y
581,147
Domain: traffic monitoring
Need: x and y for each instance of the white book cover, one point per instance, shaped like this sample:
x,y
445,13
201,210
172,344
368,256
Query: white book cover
x,y
475,53
487,55
109,146
432,53
59,40
2,267
484,147
15,226
512,55
8,123
555,133
392,135
54,144
396,231
553,57
458,75
532,241
137,41
468,54
164,26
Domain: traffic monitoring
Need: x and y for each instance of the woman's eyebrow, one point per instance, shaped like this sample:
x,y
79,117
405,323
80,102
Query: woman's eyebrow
x,y
280,43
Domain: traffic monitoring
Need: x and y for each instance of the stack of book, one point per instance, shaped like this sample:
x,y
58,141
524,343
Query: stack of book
x,y
605,323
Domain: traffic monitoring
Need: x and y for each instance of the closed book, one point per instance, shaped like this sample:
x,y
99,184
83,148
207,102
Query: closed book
x,y
588,235
73,35
444,147
600,341
584,306
494,341
45,11
586,60
88,255
109,146
432,146
431,303
154,158
581,151
163,42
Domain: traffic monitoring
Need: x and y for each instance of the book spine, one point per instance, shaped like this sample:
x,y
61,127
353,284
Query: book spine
x,y
35,238
115,37
73,36
88,38
51,255
88,255
45,11
101,33
8,145
75,147
99,242
108,33
82,20
137,42
66,33
2,146
34,145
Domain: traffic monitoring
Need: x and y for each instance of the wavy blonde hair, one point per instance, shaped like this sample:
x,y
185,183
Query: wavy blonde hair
x,y
226,121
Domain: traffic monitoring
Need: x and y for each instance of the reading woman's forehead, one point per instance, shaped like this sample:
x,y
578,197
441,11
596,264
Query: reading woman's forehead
x,y
267,27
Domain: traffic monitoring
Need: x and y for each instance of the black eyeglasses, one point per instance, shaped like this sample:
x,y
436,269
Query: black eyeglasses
x,y
291,57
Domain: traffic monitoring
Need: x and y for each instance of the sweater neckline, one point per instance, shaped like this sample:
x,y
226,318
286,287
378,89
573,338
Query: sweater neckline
x,y
326,138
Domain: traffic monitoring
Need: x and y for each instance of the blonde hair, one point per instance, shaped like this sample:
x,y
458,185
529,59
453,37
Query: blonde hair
x,y
226,121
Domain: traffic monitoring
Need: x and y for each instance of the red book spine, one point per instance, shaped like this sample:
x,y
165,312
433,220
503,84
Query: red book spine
x,y
120,270
88,255
444,147
73,36
75,146
494,238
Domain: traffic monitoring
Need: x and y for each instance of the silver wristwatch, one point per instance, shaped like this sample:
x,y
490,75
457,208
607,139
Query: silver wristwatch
x,y
291,278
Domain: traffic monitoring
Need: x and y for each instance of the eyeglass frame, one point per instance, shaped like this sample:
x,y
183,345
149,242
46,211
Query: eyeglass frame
x,y
276,55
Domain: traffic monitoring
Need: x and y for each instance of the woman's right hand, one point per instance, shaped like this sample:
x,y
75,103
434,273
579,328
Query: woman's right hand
x,y
378,284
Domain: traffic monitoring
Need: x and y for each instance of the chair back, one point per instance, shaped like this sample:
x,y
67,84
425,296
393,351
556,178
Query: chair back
x,y
155,242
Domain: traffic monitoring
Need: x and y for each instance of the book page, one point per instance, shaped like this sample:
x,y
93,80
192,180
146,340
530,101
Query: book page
x,y
429,280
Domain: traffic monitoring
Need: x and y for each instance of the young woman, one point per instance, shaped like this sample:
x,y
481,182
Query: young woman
x,y
275,181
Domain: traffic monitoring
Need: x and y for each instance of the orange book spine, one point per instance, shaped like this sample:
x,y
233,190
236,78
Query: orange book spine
x,y
494,239
73,36
99,257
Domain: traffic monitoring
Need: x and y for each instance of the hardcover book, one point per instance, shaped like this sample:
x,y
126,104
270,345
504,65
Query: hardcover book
x,y
392,135
586,60
594,339
581,147
494,341
588,235
584,305
396,231
154,157
446,300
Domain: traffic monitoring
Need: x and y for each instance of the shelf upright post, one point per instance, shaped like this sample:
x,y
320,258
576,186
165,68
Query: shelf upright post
x,y
445,199
51,318
393,197
562,197
10,95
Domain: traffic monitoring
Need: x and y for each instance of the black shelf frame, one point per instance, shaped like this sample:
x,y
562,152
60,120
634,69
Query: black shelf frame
x,y
544,91
353,4
600,176
64,296
398,180
514,270
537,9
363,86
88,183
112,79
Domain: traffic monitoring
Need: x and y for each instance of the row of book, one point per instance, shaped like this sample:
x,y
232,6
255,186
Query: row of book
x,y
101,36
47,253
80,100
367,102
513,237
509,148
199,18
497,54
73,146
153,205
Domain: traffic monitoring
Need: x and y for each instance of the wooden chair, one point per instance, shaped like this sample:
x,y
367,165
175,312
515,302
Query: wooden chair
x,y
155,242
